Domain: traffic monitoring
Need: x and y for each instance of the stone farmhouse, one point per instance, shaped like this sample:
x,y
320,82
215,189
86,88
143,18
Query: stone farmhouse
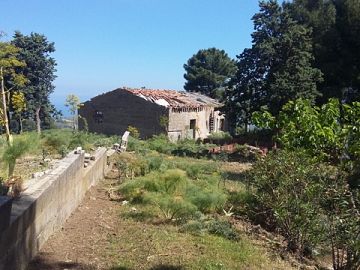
x,y
187,115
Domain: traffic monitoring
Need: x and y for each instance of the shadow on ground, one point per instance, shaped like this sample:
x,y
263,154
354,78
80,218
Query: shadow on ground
x,y
44,264
236,176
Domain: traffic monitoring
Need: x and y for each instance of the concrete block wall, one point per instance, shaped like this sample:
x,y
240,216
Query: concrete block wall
x,y
44,207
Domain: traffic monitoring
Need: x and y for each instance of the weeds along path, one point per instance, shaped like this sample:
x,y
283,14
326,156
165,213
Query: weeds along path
x,y
99,236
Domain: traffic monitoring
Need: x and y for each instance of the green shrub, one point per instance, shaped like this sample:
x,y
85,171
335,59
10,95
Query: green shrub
x,y
194,227
104,141
218,227
82,139
191,148
174,181
161,144
28,125
33,140
221,135
322,196
207,200
243,152
134,132
136,145
288,189
172,207
58,140
222,228
245,203
174,194
63,151
341,206
130,165
222,156
13,152
193,171
134,190
154,162
53,140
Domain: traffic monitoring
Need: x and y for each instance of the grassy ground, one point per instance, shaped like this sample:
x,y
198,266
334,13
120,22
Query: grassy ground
x,y
117,228
148,241
104,234
147,245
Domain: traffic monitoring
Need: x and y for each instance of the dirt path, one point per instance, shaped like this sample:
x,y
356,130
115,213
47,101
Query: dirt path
x,y
76,246
99,236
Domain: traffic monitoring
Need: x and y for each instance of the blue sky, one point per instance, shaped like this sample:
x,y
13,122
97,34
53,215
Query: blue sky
x,y
105,44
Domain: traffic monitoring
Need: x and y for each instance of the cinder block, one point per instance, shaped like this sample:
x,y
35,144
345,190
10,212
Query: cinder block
x,y
45,206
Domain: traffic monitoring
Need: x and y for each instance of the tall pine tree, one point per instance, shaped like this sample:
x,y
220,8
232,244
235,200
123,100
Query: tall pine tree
x,y
208,71
243,95
40,70
335,36
284,52
278,66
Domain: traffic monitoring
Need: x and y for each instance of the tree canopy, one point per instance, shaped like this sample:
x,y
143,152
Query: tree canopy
x,y
40,70
335,37
277,68
243,95
301,49
73,103
208,71
10,80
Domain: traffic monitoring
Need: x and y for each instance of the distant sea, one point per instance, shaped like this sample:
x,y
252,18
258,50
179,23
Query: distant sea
x,y
60,106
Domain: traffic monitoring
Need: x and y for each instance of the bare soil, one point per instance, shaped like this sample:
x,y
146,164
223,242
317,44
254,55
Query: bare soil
x,y
85,233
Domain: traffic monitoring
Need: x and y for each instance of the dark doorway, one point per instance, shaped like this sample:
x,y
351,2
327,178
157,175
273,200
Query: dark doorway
x,y
193,127
222,124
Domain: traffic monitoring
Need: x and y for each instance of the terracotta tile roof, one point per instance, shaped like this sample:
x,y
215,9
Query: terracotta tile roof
x,y
175,99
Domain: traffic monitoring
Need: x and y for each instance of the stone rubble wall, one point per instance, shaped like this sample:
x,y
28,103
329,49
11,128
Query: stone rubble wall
x,y
179,123
121,109
45,206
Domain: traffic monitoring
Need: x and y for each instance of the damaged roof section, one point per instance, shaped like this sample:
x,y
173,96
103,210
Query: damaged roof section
x,y
175,99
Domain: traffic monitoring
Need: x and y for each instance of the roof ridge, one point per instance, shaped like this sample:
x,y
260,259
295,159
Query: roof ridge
x,y
173,98
151,89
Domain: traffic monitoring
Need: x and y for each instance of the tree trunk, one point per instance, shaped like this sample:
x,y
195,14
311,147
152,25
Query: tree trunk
x,y
5,118
20,124
37,115
74,123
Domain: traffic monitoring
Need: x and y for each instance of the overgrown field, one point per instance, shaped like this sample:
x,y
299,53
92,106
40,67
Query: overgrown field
x,y
304,199
179,213
301,201
143,244
31,153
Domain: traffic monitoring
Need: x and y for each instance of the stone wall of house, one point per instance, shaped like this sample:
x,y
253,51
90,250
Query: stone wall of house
x,y
179,123
44,207
113,112
220,123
